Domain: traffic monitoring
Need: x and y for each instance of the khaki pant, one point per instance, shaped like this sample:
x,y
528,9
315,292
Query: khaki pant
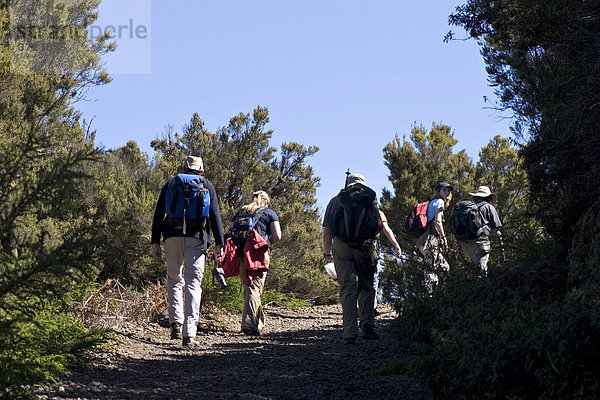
x,y
477,253
185,257
253,315
355,269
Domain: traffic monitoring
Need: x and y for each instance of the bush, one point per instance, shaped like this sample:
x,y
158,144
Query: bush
x,y
231,299
41,344
528,332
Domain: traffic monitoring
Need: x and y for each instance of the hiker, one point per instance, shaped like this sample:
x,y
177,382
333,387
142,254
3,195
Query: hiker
x,y
433,243
192,208
387,231
477,251
254,262
350,225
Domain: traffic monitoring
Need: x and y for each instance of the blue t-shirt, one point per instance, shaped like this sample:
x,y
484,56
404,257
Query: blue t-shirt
x,y
433,206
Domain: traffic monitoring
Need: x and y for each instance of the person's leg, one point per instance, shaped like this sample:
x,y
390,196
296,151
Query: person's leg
x,y
366,259
174,257
481,256
195,259
253,316
435,263
345,268
380,266
468,250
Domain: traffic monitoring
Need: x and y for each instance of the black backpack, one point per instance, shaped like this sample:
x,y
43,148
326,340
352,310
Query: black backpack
x,y
466,222
243,223
356,217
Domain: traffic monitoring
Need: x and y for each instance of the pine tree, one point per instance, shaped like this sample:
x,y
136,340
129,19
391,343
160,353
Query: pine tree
x,y
46,61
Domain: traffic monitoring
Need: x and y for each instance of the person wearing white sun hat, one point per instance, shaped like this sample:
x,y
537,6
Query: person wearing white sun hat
x,y
477,252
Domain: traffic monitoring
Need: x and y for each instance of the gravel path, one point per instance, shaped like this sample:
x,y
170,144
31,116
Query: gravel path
x,y
299,356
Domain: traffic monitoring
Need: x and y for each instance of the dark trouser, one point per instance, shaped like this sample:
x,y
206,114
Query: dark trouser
x,y
355,269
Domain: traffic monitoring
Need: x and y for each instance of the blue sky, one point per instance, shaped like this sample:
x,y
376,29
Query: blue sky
x,y
345,76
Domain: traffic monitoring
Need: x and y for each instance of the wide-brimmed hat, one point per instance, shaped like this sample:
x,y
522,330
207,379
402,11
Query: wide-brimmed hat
x,y
193,163
356,178
485,192
442,185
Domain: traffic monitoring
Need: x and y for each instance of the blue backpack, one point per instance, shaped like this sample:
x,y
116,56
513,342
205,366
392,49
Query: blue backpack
x,y
187,202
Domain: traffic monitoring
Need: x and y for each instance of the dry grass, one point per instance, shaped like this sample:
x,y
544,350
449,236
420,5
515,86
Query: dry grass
x,y
113,304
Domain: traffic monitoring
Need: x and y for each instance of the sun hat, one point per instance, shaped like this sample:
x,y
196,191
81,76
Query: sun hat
x,y
193,163
356,178
442,185
485,192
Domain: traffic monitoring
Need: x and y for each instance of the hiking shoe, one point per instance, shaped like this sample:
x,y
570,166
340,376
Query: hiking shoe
x,y
369,333
250,332
175,331
349,341
190,342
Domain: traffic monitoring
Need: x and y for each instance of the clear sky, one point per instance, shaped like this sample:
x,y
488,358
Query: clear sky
x,y
345,76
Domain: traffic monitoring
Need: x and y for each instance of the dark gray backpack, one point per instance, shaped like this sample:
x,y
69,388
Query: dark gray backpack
x,y
466,222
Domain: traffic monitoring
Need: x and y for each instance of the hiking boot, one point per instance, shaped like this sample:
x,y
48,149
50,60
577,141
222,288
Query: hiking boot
x,y
349,341
190,342
250,332
368,332
175,331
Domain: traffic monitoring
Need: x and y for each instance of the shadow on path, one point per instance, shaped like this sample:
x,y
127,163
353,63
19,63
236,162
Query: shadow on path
x,y
306,363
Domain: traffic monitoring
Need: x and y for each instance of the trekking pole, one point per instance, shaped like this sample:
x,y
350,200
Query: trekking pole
x,y
347,176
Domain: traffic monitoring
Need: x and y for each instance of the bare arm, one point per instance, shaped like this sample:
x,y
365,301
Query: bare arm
x,y
439,227
327,239
275,232
157,252
387,231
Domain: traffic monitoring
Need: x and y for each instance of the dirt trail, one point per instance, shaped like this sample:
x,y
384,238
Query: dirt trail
x,y
299,356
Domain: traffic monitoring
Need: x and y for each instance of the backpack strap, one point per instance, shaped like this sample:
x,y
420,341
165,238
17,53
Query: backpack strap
x,y
483,229
175,193
257,214
200,199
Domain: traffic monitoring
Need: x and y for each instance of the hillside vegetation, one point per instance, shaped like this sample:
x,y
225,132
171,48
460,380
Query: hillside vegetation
x,y
75,219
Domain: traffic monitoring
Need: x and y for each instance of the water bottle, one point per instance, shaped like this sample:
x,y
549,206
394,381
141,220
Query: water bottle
x,y
219,275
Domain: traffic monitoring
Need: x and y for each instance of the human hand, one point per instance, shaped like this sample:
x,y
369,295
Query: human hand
x,y
157,252
444,244
218,253
397,251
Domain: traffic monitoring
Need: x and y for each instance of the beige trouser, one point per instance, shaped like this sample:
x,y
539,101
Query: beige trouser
x,y
478,253
185,258
253,315
355,269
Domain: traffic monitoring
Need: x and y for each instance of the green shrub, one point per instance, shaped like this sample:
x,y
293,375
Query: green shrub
x,y
231,299
516,334
41,344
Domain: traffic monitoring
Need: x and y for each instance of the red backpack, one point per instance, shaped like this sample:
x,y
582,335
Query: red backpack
x,y
416,220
